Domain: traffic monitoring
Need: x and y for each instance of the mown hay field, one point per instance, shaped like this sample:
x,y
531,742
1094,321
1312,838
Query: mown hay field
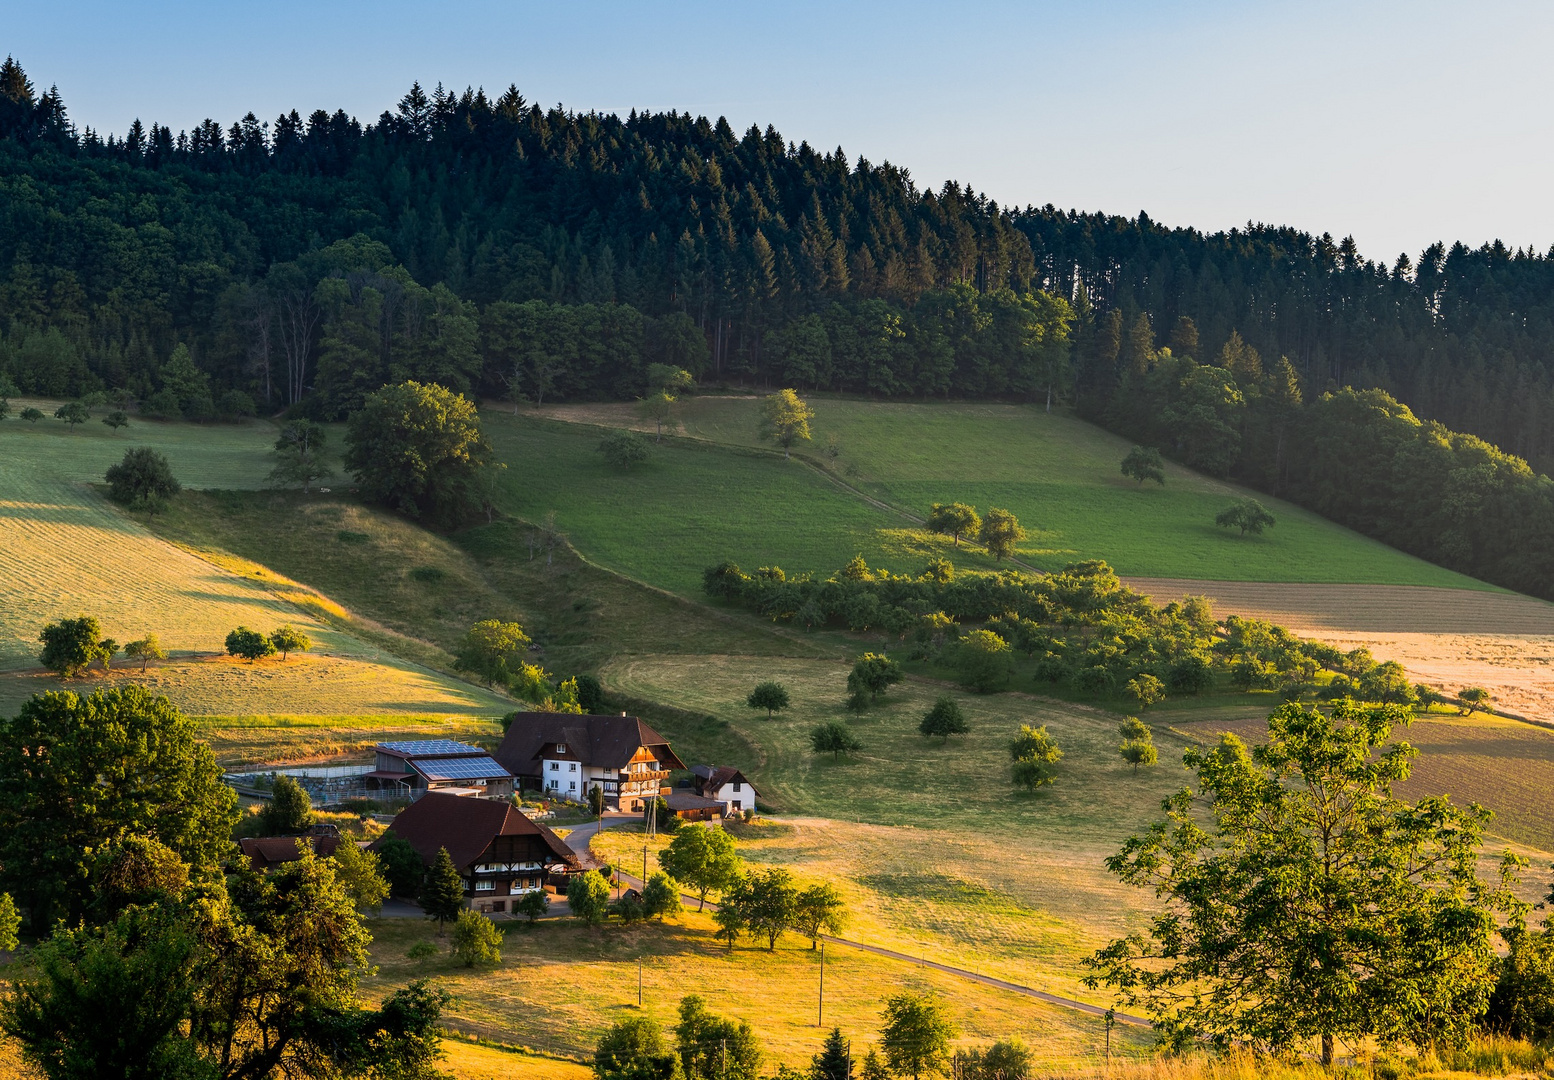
x,y
1059,475
561,985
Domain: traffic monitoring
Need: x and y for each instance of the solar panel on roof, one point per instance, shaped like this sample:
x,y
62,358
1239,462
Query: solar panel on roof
x,y
431,748
461,768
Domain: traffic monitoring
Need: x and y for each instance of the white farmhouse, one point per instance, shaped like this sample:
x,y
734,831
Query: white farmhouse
x,y
565,755
727,785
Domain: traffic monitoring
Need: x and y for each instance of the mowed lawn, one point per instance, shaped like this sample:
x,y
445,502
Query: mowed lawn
x,y
1060,476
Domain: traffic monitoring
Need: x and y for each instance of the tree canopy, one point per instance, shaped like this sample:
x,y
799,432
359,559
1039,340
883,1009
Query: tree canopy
x,y
418,448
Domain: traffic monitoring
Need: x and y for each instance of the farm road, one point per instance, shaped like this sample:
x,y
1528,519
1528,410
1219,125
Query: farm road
x,y
581,836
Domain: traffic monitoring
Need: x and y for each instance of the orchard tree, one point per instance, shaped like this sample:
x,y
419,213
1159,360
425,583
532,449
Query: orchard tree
x,y
916,1036
1035,755
1000,533
73,413
1304,900
117,419
1473,698
588,895
1146,689
658,407
31,415
476,940
982,659
288,640
71,645
532,905
819,910
493,651
661,896
703,860
771,696
873,673
834,739
785,420
953,519
1143,463
943,720
299,455
249,644
1248,515
143,480
417,447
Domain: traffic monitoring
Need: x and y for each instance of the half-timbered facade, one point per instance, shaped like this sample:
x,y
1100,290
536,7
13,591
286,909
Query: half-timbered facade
x,y
565,755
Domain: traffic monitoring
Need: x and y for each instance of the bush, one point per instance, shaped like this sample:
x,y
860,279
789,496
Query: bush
x,y
251,645
142,480
476,940
234,404
162,405
623,449
532,905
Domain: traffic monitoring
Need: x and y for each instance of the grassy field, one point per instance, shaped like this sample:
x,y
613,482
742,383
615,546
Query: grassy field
x,y
1059,475
561,985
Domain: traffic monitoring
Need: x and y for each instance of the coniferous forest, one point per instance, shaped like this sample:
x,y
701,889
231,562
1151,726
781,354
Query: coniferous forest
x,y
498,248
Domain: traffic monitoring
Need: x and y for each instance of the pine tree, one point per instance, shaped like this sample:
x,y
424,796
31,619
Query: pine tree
x,y
835,1060
442,893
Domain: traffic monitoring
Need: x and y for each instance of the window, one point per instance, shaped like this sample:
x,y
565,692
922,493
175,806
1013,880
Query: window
x,y
736,785
571,766
738,803
485,885
572,786
561,748
555,766
499,905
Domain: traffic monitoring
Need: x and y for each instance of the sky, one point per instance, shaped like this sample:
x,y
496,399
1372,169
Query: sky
x,y
1397,123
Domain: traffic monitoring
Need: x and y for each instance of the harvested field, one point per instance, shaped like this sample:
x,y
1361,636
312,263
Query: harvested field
x,y
1446,638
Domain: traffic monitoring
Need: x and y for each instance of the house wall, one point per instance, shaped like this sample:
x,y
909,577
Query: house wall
x,y
505,871
735,796
623,790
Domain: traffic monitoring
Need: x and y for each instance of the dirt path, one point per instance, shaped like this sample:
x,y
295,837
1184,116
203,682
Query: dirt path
x,y
1447,638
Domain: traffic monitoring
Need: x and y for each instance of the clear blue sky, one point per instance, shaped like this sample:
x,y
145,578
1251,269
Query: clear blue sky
x,y
1398,122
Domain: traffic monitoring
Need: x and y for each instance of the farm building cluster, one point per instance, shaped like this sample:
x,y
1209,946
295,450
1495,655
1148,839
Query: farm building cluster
x,y
467,800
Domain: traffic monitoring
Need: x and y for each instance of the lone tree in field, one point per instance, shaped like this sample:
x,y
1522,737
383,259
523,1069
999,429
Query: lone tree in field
x,y
819,910
476,940
1138,743
442,892
143,480
492,651
873,674
943,720
419,449
771,696
1000,533
1143,463
289,810
785,420
916,1036
953,519
117,419
299,455
658,407
588,895
145,650
1305,901
1035,755
703,860
834,739
1473,698
31,415
1248,515
623,449
71,645
249,644
73,413
288,640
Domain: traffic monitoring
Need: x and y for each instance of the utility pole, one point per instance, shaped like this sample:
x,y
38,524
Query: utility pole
x,y
820,1015
639,982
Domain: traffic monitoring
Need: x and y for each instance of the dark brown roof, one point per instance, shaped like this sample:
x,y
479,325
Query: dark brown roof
x,y
264,852
684,800
721,775
608,742
466,826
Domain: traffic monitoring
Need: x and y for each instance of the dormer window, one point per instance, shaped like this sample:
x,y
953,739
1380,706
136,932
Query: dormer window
x,y
561,748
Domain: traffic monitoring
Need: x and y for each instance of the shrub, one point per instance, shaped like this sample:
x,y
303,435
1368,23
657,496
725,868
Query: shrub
x,y
234,404
251,645
532,905
476,940
623,449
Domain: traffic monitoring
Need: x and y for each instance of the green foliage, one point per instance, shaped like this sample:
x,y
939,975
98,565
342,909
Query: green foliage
x,y
703,860
71,645
1138,752
1143,463
955,519
423,949
771,696
299,455
766,902
532,905
1473,698
981,658
133,766
117,419
916,1036
1244,862
476,940
785,420
661,896
417,447
833,738
588,895
289,810
873,673
635,1049
10,923
401,864
73,413
713,1047
1035,755
249,644
818,910
492,651
360,873
31,415
286,639
835,1060
1388,683
442,890
1145,689
1248,515
142,481
1000,532
943,720
623,449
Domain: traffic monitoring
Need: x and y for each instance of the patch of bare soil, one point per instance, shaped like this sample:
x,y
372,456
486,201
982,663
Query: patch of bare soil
x,y
1446,638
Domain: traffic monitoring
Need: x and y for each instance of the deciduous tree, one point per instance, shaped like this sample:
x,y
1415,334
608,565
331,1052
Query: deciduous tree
x,y
1000,532
1248,515
117,419
417,447
249,644
289,810
818,910
299,455
713,1047
785,420
1143,463
73,413
492,651
953,519
635,1049
476,940
916,1036
145,650
360,873
771,696
943,720
1035,755
588,895
623,449
70,646
143,480
834,739
287,640
704,860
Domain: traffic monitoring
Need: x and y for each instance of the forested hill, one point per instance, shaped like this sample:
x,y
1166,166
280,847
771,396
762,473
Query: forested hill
x,y
497,247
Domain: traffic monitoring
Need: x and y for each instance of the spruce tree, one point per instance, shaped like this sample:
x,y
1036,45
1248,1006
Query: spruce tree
x,y
835,1060
442,893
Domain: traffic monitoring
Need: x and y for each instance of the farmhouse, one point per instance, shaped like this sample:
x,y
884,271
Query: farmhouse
x,y
727,785
499,853
263,852
564,754
418,766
